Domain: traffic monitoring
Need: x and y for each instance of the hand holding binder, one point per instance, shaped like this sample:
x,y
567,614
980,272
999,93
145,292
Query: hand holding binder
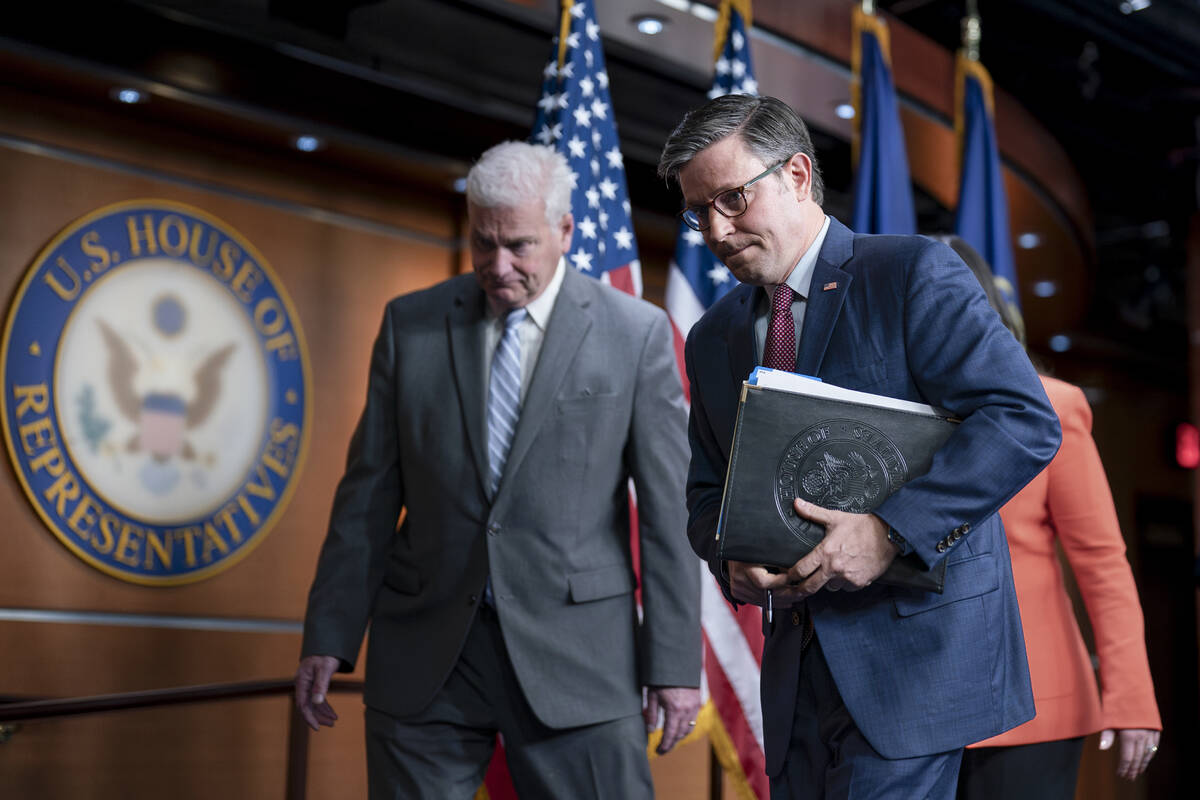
x,y
840,450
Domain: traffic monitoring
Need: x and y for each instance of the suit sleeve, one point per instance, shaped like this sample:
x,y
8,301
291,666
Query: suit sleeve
x,y
1085,519
706,476
657,458
366,508
963,359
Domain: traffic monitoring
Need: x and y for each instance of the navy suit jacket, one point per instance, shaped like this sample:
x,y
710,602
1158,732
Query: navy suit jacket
x,y
901,316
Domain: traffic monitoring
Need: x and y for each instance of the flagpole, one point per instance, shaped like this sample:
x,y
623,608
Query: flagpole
x,y
981,217
972,32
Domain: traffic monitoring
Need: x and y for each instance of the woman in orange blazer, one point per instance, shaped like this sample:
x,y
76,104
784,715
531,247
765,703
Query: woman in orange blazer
x,y
1069,503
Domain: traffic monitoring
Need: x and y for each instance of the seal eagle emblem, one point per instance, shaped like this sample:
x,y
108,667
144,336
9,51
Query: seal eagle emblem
x,y
156,392
840,464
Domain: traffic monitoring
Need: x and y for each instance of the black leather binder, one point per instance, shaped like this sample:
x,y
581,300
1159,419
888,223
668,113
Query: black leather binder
x,y
839,449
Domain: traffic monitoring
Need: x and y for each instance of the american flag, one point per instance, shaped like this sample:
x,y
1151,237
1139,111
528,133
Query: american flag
x,y
733,639
575,116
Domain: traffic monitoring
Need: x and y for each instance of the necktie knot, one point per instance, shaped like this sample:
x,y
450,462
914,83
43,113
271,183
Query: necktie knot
x,y
514,318
782,299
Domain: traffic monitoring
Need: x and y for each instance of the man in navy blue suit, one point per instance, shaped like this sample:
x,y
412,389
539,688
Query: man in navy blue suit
x,y
868,690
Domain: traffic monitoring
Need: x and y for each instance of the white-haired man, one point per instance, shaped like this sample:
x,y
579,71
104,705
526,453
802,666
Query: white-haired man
x,y
505,412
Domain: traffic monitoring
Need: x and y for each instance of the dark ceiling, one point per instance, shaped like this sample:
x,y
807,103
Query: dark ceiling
x,y
443,79
1121,93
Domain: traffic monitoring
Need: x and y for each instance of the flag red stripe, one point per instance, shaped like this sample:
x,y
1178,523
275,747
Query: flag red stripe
x,y
622,278
750,754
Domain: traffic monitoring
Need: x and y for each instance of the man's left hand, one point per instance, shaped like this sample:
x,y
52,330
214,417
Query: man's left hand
x,y
1138,746
679,704
854,552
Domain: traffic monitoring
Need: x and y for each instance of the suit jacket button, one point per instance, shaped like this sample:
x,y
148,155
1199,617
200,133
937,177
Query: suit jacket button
x,y
966,527
795,619
493,528
472,600
941,547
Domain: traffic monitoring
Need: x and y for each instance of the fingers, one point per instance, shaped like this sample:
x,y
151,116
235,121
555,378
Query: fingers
x,y
675,727
813,512
748,582
1106,738
311,687
1138,747
650,712
680,707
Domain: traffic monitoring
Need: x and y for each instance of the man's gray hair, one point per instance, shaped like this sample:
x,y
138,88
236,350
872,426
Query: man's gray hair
x,y
512,174
771,130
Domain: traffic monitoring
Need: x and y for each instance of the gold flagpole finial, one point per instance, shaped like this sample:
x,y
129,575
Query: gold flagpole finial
x,y
721,26
972,31
564,31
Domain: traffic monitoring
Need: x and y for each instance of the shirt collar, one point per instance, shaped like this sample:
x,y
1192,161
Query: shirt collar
x,y
800,278
540,307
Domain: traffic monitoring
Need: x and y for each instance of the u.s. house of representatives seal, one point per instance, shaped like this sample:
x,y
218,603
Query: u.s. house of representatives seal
x,y
156,392
840,464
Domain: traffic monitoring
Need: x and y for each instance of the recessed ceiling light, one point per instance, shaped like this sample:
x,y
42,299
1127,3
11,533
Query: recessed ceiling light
x,y
127,94
1028,240
306,143
649,24
1060,343
1131,6
844,111
1045,288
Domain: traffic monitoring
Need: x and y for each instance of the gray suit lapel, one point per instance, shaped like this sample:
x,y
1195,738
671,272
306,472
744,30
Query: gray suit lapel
x,y
568,326
465,332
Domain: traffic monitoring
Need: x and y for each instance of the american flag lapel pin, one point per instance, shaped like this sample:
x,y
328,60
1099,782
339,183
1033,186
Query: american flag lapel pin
x,y
829,286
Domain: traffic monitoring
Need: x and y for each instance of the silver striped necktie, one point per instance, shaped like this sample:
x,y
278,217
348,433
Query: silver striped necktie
x,y
504,395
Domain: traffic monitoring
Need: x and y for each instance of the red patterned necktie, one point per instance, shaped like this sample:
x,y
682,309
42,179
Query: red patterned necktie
x,y
780,349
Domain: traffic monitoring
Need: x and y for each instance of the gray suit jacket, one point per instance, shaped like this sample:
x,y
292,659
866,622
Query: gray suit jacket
x,y
604,403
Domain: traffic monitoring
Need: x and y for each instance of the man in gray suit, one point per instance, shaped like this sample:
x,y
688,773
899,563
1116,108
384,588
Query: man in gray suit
x,y
505,413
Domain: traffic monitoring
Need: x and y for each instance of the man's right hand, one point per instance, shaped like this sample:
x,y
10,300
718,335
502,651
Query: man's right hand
x,y
312,684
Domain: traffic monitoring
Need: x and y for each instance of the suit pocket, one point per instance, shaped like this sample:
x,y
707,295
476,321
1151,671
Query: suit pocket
x,y
402,578
860,377
597,584
586,402
971,577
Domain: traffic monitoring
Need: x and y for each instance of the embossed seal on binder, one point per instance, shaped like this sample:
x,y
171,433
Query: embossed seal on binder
x,y
842,464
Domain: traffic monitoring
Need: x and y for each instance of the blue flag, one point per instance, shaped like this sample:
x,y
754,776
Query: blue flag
x,y
575,116
882,191
982,219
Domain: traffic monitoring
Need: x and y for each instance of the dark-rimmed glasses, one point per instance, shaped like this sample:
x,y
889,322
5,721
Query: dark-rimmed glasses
x,y
729,203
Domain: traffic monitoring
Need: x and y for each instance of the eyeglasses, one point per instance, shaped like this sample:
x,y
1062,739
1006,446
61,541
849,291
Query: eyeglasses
x,y
729,203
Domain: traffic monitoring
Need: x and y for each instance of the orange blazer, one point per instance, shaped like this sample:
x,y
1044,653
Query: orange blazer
x,y
1070,502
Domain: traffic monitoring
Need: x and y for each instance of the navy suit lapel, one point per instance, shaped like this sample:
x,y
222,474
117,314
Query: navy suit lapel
x,y
826,294
465,324
739,342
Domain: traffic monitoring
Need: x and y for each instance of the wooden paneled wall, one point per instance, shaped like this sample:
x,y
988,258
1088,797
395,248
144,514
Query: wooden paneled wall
x,y
341,244
340,250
